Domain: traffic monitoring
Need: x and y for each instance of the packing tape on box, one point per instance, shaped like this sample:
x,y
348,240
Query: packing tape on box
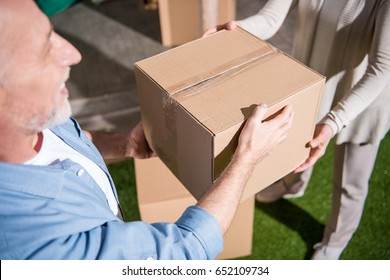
x,y
248,61
170,109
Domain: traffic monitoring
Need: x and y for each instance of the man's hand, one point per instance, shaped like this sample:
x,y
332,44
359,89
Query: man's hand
x,y
256,141
322,135
258,138
137,146
228,26
121,145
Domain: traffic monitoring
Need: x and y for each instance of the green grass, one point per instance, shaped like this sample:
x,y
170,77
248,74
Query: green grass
x,y
288,229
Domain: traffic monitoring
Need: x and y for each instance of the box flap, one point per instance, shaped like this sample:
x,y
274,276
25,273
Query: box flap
x,y
198,61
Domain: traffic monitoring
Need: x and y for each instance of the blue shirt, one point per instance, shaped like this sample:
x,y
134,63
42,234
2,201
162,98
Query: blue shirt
x,y
56,212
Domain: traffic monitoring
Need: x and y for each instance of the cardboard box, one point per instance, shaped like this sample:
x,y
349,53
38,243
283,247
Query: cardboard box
x,y
182,21
195,98
162,198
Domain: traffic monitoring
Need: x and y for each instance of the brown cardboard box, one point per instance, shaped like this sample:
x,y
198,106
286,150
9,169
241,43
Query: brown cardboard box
x,y
195,98
162,198
182,21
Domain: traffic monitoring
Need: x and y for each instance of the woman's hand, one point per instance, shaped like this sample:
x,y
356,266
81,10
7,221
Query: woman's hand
x,y
322,135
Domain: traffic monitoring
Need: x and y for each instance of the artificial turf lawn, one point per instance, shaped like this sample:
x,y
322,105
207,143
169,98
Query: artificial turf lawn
x,y
288,229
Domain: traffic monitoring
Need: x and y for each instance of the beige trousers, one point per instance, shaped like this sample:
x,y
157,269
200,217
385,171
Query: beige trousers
x,y
353,165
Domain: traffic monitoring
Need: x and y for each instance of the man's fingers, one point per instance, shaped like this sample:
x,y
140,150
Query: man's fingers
x,y
282,123
285,116
259,112
257,116
283,120
289,117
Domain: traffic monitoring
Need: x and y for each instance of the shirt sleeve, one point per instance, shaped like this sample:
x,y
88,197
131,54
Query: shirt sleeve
x,y
196,235
204,227
374,80
268,20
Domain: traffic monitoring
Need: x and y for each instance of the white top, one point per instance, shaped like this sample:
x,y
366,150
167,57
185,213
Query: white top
x,y
53,150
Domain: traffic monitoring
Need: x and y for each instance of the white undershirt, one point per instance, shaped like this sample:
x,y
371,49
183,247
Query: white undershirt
x,y
54,149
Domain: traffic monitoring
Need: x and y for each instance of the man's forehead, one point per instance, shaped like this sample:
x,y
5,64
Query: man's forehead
x,y
18,17
24,30
14,9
